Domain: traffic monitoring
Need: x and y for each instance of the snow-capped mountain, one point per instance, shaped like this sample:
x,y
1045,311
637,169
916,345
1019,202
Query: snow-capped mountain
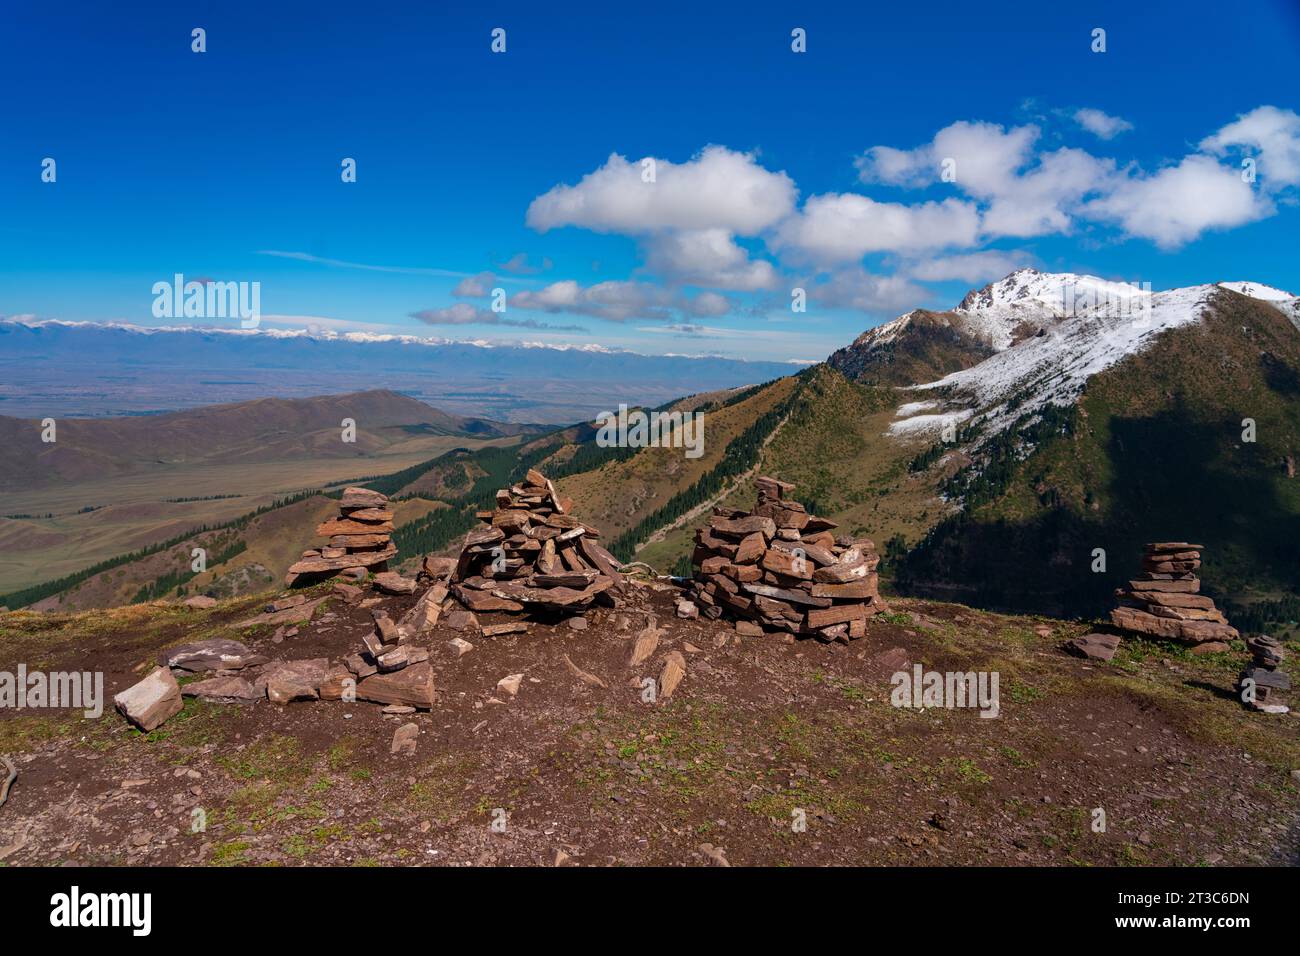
x,y
1047,334
1111,425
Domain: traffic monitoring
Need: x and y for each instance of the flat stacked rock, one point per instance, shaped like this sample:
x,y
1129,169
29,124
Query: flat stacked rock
x,y
533,555
783,569
1164,600
360,538
390,668
1266,657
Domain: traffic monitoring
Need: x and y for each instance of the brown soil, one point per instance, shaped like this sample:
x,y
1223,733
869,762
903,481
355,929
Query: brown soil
x,y
758,729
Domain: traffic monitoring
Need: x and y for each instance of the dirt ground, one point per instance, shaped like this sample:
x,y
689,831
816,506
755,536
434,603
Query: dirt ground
x,y
760,736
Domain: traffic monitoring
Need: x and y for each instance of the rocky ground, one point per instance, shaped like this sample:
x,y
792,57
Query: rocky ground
x,y
570,771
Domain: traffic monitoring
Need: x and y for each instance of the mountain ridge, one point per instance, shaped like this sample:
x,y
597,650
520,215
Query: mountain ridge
x,y
258,430
864,452
120,369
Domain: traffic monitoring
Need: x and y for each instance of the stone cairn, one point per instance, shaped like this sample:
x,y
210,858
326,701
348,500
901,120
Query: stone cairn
x,y
780,568
1163,601
1268,681
533,555
360,539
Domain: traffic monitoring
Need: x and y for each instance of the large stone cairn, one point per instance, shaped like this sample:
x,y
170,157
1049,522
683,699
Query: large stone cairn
x,y
533,555
359,538
782,569
1263,670
1164,600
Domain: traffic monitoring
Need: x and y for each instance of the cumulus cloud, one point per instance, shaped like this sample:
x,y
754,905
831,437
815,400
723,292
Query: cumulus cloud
x,y
696,222
1271,134
474,287
518,264
708,257
717,189
1178,203
1021,194
1101,124
984,157
856,288
707,305
619,301
1044,199
462,313
972,267
843,227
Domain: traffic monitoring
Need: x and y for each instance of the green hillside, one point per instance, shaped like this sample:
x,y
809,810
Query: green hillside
x,y
1153,450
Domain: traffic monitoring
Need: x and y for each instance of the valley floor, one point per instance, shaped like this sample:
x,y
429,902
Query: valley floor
x,y
758,729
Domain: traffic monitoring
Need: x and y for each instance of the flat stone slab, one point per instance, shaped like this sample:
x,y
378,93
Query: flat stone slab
x,y
216,654
1097,647
360,559
222,690
287,681
290,615
390,582
411,685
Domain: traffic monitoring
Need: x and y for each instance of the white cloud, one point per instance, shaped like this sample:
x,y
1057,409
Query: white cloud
x,y
708,257
1043,200
618,301
519,265
843,227
1178,203
708,305
972,267
1021,197
474,287
855,288
1004,185
1101,124
986,158
718,189
462,313
1270,133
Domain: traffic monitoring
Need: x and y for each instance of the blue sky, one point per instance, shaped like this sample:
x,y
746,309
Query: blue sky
x,y
523,170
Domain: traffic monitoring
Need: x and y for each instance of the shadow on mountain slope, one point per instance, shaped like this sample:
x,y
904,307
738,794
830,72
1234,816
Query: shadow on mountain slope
x,y
1173,477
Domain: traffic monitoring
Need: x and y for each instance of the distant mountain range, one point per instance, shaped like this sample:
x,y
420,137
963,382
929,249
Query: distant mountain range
x,y
66,369
993,450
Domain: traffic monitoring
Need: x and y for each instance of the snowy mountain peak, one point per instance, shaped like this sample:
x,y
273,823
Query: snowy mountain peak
x,y
1257,290
1050,332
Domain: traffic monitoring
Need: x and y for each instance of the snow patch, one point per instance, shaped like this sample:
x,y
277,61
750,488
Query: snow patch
x,y
912,408
1052,368
929,424
1257,290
